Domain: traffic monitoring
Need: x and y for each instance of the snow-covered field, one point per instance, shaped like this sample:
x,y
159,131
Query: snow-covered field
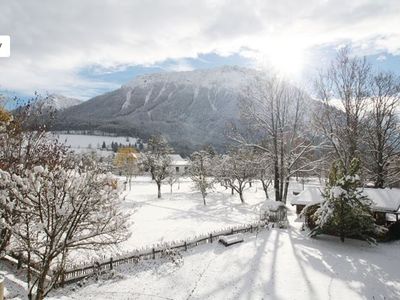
x,y
181,214
275,264
77,141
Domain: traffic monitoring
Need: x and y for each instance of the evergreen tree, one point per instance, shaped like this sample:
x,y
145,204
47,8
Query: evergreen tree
x,y
103,146
345,212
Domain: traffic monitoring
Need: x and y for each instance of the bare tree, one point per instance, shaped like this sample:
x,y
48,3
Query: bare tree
x,y
344,90
236,170
264,171
383,130
156,160
200,171
172,179
274,111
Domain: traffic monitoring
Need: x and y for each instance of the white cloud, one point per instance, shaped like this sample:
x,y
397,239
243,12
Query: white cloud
x,y
53,40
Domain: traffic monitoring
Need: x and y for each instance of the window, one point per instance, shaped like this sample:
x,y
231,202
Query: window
x,y
177,169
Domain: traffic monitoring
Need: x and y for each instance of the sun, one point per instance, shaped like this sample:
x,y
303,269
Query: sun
x,y
285,59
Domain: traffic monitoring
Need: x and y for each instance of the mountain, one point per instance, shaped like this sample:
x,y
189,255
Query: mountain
x,y
190,108
58,102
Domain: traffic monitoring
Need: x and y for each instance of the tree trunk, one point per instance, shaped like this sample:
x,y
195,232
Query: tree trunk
x,y
204,200
285,192
159,189
241,195
342,235
41,282
5,235
232,191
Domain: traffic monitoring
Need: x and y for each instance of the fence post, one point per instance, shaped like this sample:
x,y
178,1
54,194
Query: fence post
x,y
185,246
111,263
211,239
62,279
154,254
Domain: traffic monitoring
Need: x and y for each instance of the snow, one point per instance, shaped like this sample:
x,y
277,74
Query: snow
x,y
177,160
182,215
271,264
271,205
337,192
231,239
382,199
308,196
58,102
82,143
231,77
275,264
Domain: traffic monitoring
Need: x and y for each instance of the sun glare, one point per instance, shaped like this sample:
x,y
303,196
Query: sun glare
x,y
285,59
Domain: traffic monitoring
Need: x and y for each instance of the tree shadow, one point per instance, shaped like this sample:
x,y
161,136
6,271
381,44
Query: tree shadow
x,y
369,271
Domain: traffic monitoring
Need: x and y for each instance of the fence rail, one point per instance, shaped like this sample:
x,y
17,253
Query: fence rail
x,y
79,272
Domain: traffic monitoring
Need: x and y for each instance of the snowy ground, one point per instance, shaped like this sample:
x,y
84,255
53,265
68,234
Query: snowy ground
x,y
181,214
275,264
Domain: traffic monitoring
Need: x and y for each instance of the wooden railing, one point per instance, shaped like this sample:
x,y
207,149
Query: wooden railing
x,y
77,273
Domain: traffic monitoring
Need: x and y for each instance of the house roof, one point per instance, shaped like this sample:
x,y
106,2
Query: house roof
x,y
177,160
308,196
385,200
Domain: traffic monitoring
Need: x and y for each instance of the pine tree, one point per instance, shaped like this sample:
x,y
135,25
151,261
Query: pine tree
x,y
345,212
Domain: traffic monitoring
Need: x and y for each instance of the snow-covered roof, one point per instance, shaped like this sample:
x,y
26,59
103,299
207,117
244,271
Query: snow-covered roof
x,y
271,205
383,199
308,196
177,160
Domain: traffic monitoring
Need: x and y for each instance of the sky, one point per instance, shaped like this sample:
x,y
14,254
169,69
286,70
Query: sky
x,y
83,48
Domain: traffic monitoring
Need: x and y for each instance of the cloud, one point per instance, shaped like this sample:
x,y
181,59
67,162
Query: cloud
x,y
52,40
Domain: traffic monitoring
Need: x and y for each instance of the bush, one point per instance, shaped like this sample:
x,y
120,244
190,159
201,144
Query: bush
x,y
308,213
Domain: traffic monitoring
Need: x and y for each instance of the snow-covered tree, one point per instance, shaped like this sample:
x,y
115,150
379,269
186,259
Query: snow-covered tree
x,y
382,126
60,209
345,212
200,171
274,111
156,160
236,170
23,143
172,179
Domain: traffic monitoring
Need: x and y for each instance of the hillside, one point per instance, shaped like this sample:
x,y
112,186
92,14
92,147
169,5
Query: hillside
x,y
190,108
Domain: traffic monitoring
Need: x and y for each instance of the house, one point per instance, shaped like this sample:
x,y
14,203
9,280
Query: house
x,y
385,202
178,164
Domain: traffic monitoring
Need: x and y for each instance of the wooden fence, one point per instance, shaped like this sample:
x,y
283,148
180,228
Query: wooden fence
x,y
77,273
